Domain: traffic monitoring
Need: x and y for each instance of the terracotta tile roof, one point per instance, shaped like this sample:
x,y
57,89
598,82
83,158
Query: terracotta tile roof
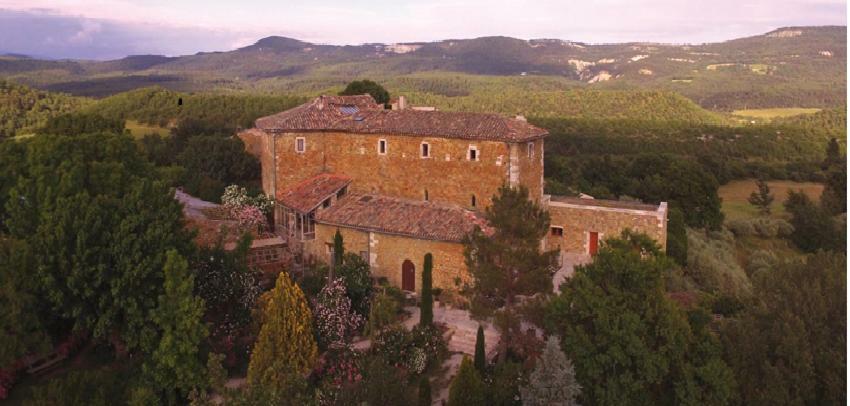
x,y
418,219
356,115
616,204
311,192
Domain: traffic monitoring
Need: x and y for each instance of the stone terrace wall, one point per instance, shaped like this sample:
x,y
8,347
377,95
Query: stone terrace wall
x,y
578,220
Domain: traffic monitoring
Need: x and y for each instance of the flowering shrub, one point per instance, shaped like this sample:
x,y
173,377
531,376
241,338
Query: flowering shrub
x,y
235,196
336,323
249,217
414,350
340,370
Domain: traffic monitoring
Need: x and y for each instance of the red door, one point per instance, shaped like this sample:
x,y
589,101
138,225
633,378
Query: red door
x,y
408,276
593,245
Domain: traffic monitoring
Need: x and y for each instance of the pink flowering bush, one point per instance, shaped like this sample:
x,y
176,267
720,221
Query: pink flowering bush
x,y
335,322
249,217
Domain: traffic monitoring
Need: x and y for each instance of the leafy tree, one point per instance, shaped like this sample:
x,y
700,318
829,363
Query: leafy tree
x,y
480,350
286,344
365,86
553,381
22,324
834,195
424,394
789,346
629,342
384,384
814,227
212,163
175,363
466,388
677,236
358,282
763,198
833,154
82,123
426,312
99,224
509,262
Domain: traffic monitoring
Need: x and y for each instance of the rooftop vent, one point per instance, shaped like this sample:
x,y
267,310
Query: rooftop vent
x,y
349,109
365,199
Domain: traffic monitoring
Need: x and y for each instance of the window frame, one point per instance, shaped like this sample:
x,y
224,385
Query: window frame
x,y
425,150
530,146
560,229
303,143
469,153
383,143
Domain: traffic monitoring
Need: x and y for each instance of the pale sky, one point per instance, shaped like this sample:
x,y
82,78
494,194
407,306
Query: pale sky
x,y
108,28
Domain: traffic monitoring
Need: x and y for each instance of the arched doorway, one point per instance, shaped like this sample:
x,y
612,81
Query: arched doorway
x,y
408,276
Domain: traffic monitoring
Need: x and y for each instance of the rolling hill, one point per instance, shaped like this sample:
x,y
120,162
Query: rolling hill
x,y
788,67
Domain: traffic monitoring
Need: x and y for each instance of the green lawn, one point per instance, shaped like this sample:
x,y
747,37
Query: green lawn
x,y
768,114
736,193
139,130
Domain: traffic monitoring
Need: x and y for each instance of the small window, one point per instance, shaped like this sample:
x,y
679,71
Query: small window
x,y
558,231
426,195
300,145
473,201
326,203
473,153
342,192
426,150
531,149
382,147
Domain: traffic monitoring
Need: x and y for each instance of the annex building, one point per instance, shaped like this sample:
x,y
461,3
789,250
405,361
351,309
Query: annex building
x,y
399,183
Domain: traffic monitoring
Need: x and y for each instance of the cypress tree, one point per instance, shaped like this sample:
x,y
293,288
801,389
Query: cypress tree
x,y
426,308
286,344
480,357
424,392
339,251
466,389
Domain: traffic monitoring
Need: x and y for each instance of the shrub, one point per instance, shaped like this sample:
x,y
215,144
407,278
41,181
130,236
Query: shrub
x,y
503,384
466,388
740,227
358,281
713,265
761,261
336,323
382,313
87,387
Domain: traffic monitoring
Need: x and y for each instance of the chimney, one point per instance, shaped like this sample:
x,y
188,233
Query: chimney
x,y
520,117
402,103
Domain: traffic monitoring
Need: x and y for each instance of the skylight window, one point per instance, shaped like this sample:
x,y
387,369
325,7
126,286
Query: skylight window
x,y
349,109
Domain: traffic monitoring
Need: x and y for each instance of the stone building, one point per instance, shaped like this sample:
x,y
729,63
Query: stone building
x,y
401,183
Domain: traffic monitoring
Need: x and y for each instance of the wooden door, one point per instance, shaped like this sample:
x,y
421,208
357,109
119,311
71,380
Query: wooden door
x,y
408,276
593,243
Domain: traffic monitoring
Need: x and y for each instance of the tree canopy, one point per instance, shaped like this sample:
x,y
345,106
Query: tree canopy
x,y
381,95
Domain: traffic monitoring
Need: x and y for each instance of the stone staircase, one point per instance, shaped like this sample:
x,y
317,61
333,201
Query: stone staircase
x,y
462,330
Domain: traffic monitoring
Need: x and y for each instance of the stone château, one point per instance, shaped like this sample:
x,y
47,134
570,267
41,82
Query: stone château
x,y
399,183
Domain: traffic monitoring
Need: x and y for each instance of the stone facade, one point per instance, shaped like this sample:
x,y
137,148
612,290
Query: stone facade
x,y
577,221
386,253
447,175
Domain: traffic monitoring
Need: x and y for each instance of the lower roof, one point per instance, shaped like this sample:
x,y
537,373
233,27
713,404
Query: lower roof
x,y
311,192
412,218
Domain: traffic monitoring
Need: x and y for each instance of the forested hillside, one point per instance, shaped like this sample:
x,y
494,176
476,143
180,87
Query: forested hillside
x,y
23,109
788,67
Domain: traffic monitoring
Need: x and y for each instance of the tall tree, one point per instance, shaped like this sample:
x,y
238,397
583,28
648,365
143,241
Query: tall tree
x,y
814,227
366,86
677,236
480,351
339,253
99,224
789,346
508,262
762,199
286,344
426,308
629,342
553,381
466,388
358,282
175,363
424,394
23,327
834,195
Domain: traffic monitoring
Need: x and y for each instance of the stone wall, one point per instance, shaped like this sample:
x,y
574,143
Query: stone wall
x,y
447,176
387,252
578,221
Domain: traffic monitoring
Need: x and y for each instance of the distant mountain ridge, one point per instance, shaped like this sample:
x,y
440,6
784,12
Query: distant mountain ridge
x,y
796,65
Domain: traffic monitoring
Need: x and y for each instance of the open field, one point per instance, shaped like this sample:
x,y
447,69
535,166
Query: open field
x,y
736,193
139,130
767,114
